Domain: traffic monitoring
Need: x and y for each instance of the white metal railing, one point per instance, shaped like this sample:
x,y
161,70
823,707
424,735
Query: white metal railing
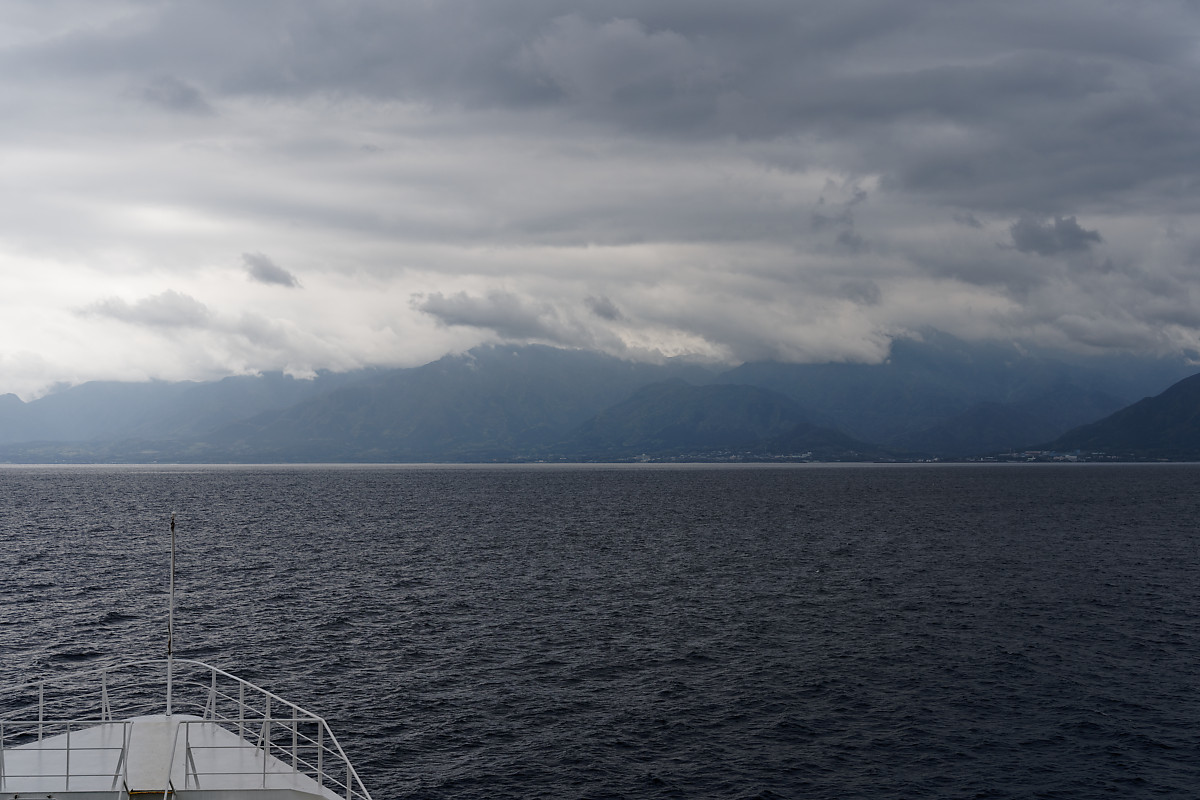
x,y
11,729
295,738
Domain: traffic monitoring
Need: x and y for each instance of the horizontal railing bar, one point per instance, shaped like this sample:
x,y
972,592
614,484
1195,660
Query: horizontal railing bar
x,y
71,774
232,747
75,749
99,720
74,677
311,768
64,721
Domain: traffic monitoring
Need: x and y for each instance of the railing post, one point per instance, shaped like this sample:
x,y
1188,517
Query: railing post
x,y
187,754
122,768
126,742
41,706
105,708
1,756
168,787
320,754
295,734
265,739
67,778
266,752
242,709
210,711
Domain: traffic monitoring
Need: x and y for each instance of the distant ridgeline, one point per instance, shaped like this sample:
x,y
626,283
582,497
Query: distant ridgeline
x,y
934,397
1166,426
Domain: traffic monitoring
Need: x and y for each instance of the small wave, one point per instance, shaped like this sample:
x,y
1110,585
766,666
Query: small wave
x,y
76,656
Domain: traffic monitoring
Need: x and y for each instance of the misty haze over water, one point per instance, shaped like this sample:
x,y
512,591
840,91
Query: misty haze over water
x,y
645,631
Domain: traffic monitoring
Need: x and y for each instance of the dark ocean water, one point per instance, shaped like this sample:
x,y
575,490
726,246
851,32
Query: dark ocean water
x,y
651,632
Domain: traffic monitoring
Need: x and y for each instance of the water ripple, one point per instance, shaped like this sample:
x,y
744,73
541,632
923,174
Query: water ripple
x,y
646,632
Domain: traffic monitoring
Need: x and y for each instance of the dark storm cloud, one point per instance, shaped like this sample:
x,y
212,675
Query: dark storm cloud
x,y
173,94
604,308
835,214
852,241
169,309
1002,106
1059,235
504,313
863,292
839,216
263,270
620,69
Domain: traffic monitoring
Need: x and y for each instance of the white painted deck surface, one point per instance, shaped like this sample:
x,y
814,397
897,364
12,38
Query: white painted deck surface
x,y
206,759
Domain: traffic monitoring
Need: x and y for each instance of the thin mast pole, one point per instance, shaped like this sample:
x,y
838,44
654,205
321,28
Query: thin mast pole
x,y
171,619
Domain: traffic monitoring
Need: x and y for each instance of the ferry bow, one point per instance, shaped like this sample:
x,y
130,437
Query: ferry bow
x,y
107,733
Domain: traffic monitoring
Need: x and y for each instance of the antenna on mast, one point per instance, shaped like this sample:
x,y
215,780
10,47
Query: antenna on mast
x,y
171,619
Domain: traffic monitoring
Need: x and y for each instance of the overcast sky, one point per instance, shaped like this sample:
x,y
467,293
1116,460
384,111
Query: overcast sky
x,y
197,189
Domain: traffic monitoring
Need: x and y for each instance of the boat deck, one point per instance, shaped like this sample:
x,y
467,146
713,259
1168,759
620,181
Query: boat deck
x,y
242,742
212,762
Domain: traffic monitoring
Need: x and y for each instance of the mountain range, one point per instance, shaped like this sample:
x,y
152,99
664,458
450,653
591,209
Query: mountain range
x,y
934,397
1164,427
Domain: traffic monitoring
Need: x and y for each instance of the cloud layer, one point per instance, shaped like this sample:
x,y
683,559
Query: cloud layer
x,y
792,180
262,269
